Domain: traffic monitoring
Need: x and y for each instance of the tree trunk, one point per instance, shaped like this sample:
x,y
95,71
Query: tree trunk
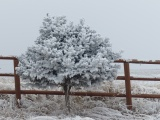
x,y
67,88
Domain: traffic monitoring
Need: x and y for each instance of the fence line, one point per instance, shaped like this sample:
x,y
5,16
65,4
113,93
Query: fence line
x,y
126,77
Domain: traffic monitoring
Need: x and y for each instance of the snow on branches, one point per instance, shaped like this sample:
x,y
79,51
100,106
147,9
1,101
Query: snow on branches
x,y
67,51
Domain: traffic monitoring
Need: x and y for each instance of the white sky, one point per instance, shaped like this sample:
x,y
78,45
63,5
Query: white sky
x,y
132,25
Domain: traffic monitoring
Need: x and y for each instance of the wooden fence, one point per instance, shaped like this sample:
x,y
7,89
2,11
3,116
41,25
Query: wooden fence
x,y
126,77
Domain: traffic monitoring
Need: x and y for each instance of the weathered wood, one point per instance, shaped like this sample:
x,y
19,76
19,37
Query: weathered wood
x,y
73,93
17,81
146,96
7,74
137,61
8,58
139,78
128,86
7,91
103,94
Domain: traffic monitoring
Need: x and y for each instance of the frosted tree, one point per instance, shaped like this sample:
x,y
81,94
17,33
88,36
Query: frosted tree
x,y
68,55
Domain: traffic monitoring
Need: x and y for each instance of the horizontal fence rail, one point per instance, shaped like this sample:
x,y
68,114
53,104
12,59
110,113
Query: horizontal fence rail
x,y
5,74
79,93
8,58
126,78
137,61
139,78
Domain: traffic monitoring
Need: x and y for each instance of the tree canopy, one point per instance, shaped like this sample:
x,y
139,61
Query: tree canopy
x,y
68,51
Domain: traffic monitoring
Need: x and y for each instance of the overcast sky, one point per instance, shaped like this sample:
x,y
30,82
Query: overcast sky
x,y
131,25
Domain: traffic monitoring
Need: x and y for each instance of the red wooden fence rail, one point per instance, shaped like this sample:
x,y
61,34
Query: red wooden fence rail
x,y
126,77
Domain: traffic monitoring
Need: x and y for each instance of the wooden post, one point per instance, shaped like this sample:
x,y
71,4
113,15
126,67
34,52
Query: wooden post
x,y
128,86
17,83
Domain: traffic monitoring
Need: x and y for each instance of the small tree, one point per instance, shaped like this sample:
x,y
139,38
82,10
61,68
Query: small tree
x,y
69,55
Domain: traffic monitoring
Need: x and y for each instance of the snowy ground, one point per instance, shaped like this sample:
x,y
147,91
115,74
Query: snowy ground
x,y
49,107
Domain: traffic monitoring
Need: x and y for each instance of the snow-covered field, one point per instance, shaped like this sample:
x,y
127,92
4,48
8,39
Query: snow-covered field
x,y
50,107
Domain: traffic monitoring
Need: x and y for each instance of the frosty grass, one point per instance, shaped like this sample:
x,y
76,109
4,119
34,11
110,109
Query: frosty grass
x,y
50,107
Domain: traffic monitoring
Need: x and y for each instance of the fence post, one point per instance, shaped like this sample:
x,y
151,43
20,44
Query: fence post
x,y
128,86
17,83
